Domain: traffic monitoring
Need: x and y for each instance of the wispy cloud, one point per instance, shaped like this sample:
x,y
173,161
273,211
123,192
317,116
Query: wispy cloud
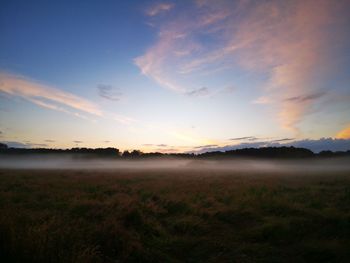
x,y
263,100
109,93
201,92
288,41
206,92
206,146
305,98
121,118
159,8
46,96
250,138
51,106
284,140
56,99
155,145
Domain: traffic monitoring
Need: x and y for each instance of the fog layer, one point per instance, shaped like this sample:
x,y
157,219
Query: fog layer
x,y
237,165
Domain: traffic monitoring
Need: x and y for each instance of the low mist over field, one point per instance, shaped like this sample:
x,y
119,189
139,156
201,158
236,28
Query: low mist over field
x,y
76,162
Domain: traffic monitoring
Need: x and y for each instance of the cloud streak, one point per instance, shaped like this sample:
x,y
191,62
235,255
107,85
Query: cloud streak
x,y
201,92
47,97
107,92
249,138
58,100
155,145
122,119
159,8
284,140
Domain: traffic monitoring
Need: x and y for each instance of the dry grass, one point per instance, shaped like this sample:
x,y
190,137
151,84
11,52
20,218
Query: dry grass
x,y
173,216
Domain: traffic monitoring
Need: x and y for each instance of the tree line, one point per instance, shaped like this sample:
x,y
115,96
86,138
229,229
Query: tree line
x,y
264,152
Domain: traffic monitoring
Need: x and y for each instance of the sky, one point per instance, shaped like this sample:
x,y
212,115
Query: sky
x,y
175,76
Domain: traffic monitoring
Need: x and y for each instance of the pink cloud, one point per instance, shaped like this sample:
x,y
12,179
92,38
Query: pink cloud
x,y
55,99
289,41
46,96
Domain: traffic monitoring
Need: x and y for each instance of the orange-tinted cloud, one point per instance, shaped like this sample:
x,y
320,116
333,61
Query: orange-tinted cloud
x,y
344,134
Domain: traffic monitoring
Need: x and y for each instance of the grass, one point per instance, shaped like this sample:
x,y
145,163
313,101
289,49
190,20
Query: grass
x,y
173,216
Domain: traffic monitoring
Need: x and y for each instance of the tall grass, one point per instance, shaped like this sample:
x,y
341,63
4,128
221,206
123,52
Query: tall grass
x,y
172,216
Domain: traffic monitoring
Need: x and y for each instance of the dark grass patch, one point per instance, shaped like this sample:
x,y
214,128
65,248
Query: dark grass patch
x,y
155,216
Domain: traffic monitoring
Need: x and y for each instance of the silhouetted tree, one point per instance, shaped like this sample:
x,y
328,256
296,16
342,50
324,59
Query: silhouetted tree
x,y
135,153
126,154
265,152
3,146
326,154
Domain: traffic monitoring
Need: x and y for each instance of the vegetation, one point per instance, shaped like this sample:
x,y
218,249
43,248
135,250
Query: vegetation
x,y
3,146
173,216
264,152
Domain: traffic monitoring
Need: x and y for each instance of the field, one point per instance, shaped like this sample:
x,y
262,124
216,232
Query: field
x,y
169,215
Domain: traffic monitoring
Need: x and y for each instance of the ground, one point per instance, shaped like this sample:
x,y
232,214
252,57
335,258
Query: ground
x,y
173,216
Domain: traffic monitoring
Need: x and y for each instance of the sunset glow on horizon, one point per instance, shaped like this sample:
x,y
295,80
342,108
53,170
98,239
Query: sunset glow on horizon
x,y
175,76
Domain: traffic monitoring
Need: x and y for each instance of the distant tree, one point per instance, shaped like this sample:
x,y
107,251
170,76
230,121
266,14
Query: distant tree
x,y
326,154
264,152
3,146
135,153
107,151
126,154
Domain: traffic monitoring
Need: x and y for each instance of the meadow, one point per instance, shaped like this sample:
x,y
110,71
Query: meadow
x,y
174,215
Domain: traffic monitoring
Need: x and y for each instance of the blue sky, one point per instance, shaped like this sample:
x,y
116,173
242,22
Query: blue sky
x,y
173,75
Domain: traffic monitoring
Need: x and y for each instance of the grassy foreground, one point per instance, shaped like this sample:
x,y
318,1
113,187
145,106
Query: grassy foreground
x,y
173,216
